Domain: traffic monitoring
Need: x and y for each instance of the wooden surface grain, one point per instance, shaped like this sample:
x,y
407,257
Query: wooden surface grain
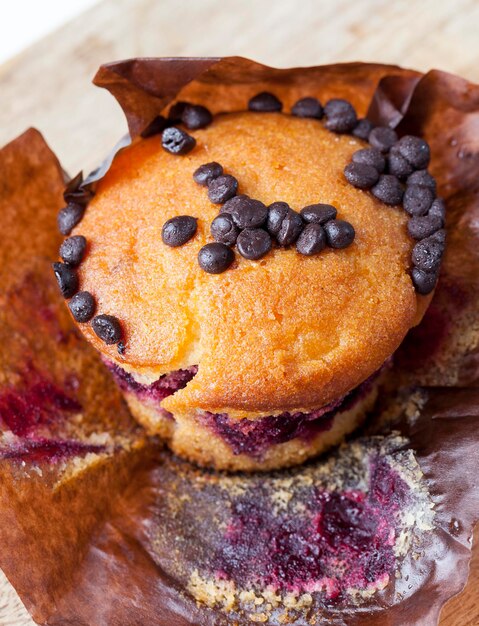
x,y
48,86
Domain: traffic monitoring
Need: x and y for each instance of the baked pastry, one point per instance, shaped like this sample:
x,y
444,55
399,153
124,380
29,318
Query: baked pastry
x,y
247,276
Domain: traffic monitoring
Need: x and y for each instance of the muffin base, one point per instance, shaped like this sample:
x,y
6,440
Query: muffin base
x,y
189,437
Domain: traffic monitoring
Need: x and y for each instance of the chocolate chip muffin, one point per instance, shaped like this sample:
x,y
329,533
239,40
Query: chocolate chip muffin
x,y
248,276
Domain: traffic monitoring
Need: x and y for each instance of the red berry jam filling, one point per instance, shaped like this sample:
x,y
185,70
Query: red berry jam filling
x,y
48,450
342,540
253,437
165,386
40,404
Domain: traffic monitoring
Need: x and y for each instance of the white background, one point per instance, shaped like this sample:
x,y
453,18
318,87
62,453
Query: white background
x,y
22,22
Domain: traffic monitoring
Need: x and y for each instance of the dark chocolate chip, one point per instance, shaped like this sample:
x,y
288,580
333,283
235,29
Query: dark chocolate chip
x,y
67,279
108,328
176,111
438,209
420,227
370,156
253,243
423,179
196,116
388,189
176,141
427,254
308,107
246,212
383,138
290,228
276,214
69,217
207,172
178,230
417,200
155,127
362,129
311,240
215,258
318,213
361,175
415,150
339,233
82,306
121,348
440,237
424,282
73,249
340,116
397,164
222,188
224,230
265,102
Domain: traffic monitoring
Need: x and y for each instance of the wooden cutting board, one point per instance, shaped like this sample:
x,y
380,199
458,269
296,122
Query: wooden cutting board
x,y
48,86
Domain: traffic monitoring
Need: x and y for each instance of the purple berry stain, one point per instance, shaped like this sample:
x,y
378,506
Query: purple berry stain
x,y
42,450
341,541
40,403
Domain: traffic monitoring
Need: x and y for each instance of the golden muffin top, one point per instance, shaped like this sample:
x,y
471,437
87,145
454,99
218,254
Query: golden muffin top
x,y
284,332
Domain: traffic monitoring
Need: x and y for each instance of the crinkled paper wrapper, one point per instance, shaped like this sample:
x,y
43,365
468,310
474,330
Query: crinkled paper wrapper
x,y
121,567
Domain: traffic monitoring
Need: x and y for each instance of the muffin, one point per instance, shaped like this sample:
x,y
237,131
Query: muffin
x,y
248,276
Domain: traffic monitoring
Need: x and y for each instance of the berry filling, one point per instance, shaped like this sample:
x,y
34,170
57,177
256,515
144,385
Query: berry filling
x,y
344,540
165,386
253,437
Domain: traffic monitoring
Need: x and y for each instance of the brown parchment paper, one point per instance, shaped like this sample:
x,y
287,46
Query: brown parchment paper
x,y
127,571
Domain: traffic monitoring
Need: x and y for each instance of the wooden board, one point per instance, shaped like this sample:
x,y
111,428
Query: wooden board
x,y
48,86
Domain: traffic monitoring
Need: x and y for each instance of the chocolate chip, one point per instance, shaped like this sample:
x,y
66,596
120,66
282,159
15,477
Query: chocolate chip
x,y
265,102
222,188
67,279
423,179
427,254
424,282
361,175
318,213
69,217
415,150
340,116
290,228
155,127
253,243
383,138
246,212
176,141
370,156
397,164
311,240
339,233
308,107
420,227
73,249
388,189
362,129
438,209
224,230
196,116
176,111
276,214
207,172
417,200
82,306
108,328
178,230
215,258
